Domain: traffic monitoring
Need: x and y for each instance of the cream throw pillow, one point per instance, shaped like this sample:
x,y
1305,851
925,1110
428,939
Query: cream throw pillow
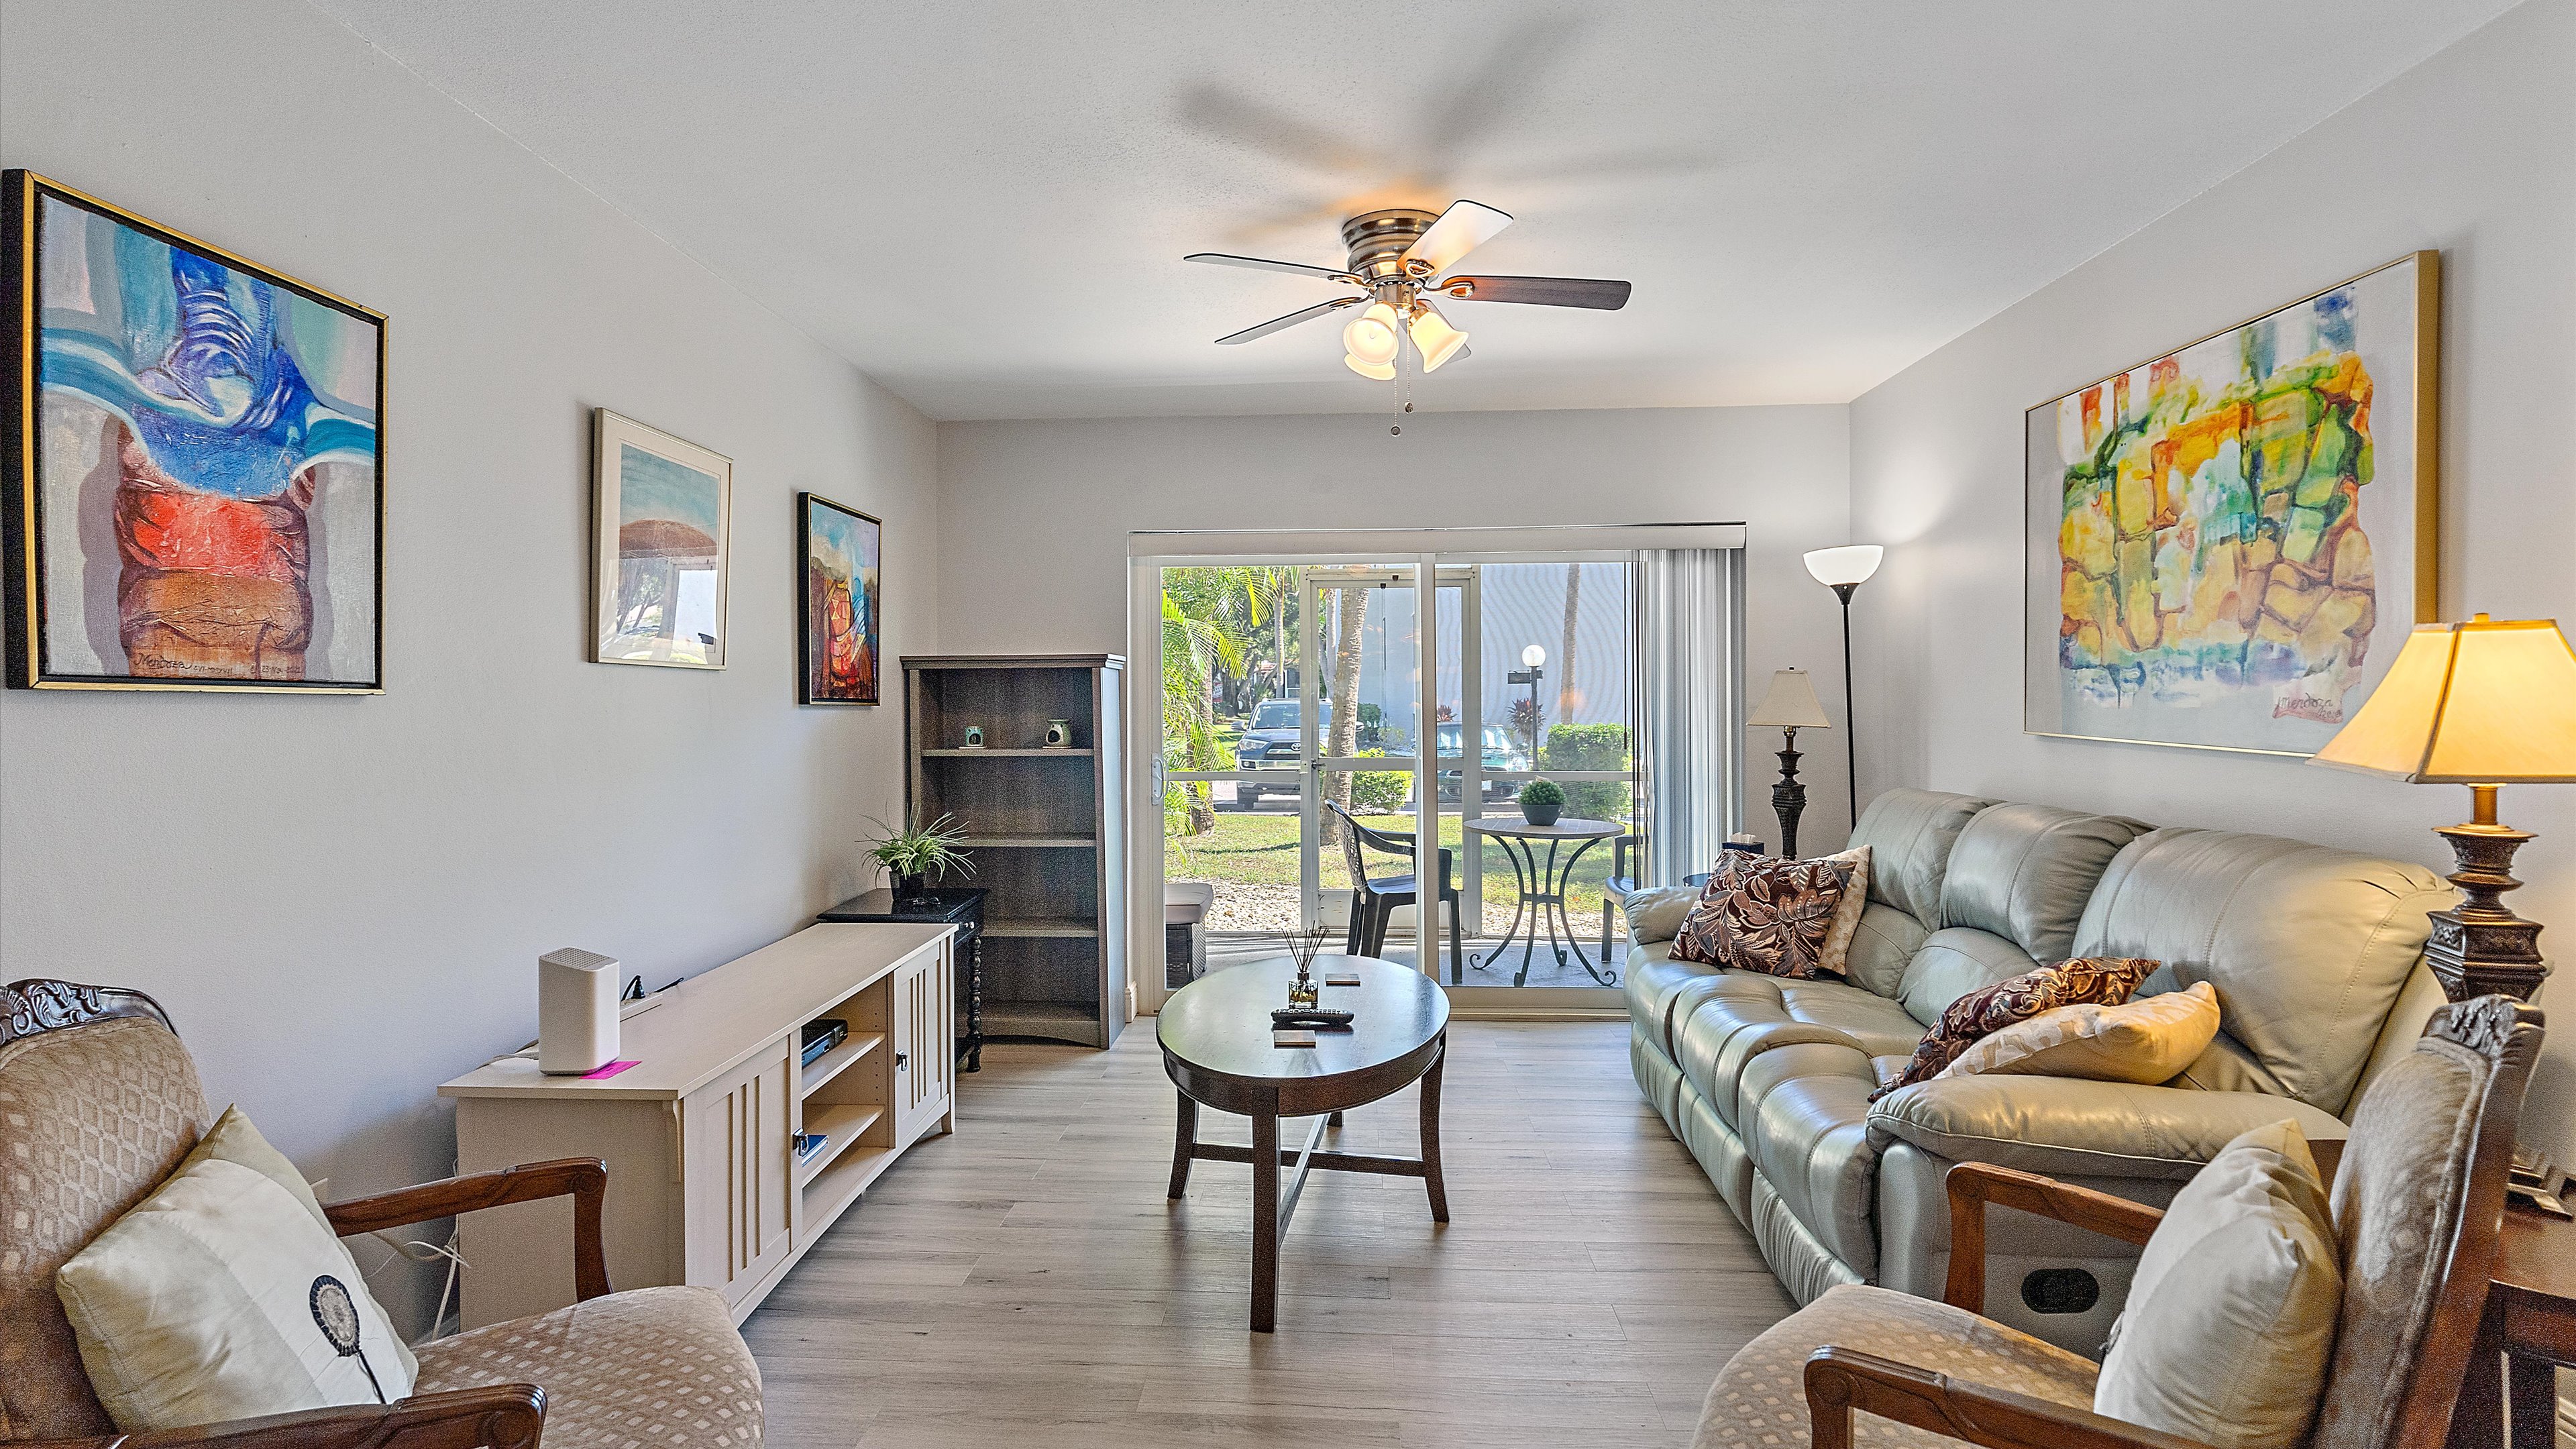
x,y
2146,1040
211,1300
2231,1317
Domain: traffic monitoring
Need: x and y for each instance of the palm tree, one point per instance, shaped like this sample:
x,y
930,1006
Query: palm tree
x,y
1197,643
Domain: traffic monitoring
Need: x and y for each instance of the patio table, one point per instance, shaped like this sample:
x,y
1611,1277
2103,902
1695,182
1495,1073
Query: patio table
x,y
1542,889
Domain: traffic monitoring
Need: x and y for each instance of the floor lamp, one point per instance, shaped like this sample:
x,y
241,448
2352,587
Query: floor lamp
x,y
1843,570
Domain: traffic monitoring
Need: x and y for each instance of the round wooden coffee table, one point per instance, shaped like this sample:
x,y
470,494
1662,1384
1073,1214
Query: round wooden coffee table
x,y
1215,1035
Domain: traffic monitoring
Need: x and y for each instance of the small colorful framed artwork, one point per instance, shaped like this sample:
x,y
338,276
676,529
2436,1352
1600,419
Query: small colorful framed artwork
x,y
661,509
192,458
2225,546
839,629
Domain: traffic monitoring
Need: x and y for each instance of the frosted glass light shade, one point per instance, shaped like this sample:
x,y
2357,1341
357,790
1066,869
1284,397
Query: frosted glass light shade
x,y
1533,657
2480,703
1381,371
1852,564
1370,336
1791,704
1438,340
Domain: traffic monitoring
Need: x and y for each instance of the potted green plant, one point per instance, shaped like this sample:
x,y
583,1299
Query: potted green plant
x,y
911,857
1542,801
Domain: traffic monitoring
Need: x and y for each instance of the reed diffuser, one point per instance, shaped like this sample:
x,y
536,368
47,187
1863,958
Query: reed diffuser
x,y
1302,947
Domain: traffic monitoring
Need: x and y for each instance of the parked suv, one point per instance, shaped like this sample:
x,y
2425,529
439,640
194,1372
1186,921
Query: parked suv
x,y
1502,752
1271,742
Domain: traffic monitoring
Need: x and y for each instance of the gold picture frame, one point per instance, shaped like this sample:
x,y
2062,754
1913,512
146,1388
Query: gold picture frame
x,y
2219,549
175,554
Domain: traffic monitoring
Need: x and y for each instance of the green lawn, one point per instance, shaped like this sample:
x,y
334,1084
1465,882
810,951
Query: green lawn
x,y
1260,848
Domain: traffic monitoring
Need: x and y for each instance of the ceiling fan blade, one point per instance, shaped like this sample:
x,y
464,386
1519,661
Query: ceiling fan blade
x,y
1539,291
1465,226
1264,264
1282,324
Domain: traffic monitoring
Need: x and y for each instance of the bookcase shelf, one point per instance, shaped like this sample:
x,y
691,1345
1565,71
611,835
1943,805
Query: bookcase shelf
x,y
1044,827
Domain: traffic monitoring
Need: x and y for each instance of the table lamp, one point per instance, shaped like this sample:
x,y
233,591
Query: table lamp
x,y
1844,570
1791,706
2483,704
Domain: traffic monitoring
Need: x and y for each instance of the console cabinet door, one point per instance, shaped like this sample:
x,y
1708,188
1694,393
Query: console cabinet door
x,y
924,1042
737,1163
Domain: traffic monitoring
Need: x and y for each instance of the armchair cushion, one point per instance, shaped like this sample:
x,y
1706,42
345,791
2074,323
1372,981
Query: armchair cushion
x,y
1760,1397
652,1366
213,1299
2231,1316
2065,1127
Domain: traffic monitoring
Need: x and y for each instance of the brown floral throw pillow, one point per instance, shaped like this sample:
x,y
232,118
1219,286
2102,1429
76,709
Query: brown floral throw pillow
x,y
1758,913
2084,981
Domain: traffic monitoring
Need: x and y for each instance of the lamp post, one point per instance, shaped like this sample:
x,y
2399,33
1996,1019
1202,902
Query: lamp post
x,y
1843,570
1534,660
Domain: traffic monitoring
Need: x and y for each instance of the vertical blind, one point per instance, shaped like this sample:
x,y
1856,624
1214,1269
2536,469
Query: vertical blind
x,y
1690,705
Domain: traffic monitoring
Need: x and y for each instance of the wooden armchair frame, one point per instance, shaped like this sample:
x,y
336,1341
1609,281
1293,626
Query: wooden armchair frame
x,y
1841,1380
499,1416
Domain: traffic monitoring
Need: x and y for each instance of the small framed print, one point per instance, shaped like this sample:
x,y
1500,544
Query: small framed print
x,y
838,633
659,523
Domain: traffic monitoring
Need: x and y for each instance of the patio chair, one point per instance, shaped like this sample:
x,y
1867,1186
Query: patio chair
x,y
1375,899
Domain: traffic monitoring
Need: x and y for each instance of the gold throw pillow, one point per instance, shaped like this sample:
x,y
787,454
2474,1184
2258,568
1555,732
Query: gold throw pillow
x,y
2149,1040
224,1295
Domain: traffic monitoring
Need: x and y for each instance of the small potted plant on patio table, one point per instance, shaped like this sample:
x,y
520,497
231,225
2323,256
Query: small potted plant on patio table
x,y
1542,801
911,857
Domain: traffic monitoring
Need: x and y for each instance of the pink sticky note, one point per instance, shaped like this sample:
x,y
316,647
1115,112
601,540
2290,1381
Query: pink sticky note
x,y
612,1069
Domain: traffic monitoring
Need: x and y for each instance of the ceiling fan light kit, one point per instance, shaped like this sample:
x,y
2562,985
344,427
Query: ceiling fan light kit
x,y
1400,258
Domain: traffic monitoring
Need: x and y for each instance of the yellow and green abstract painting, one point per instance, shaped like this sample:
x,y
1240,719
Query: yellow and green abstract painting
x,y
2221,536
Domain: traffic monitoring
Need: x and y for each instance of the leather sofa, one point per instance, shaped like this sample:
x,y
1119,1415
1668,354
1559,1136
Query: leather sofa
x,y
2316,956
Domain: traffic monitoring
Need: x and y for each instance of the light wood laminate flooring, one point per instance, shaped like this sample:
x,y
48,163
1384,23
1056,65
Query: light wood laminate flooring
x,y
1025,1281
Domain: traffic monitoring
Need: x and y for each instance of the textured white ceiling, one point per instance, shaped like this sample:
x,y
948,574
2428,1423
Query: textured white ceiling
x,y
985,205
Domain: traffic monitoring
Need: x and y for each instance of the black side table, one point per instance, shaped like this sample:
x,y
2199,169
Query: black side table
x,y
962,907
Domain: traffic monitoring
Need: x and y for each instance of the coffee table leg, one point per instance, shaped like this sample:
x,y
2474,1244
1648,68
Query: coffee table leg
x,y
1265,1221
1431,1136
1182,1142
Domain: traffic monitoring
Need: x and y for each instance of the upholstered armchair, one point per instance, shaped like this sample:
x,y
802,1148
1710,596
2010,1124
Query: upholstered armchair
x,y
99,1101
2418,1201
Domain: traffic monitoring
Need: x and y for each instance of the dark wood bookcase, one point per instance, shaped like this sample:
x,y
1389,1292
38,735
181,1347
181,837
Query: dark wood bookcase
x,y
1045,826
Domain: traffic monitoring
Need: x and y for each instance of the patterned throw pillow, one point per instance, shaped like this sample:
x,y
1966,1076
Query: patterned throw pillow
x,y
2086,980
1776,916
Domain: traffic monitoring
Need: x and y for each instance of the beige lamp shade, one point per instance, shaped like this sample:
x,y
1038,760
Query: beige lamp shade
x,y
2480,703
1791,704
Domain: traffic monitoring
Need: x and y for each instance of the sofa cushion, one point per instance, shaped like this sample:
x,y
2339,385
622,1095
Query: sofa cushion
x,y
2084,981
2307,946
1760,1398
2024,873
2067,1127
1654,979
1884,939
651,1366
1726,1022
1953,962
1803,1112
1909,833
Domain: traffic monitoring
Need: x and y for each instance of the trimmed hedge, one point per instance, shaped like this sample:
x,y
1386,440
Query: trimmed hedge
x,y
1590,747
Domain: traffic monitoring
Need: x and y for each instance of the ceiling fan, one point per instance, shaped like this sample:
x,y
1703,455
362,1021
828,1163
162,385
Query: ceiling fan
x,y
1399,259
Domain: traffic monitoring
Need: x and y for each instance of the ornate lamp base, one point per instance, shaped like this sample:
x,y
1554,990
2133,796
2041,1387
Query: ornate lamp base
x,y
1789,797
2480,947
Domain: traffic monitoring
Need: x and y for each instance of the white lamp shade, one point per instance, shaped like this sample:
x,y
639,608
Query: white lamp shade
x,y
1791,704
1381,371
1370,336
1533,657
2482,703
1438,340
1852,564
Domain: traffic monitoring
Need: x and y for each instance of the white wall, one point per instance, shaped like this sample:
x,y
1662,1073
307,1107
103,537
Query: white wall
x,y
2473,152
340,899
1035,517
